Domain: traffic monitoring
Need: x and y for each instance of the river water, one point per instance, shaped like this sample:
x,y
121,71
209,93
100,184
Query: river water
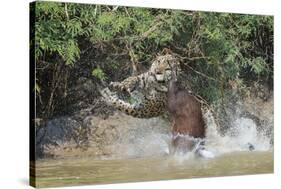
x,y
82,171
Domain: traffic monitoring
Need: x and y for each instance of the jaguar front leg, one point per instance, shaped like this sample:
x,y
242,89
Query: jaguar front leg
x,y
141,109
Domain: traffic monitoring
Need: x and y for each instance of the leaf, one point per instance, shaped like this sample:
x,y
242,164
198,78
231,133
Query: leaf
x,y
98,73
37,88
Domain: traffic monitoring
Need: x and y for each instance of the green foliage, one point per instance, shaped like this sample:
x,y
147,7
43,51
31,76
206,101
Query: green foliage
x,y
98,73
218,48
238,47
56,32
258,65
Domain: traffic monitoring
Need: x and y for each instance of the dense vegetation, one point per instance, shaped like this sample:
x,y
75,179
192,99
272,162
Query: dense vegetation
x,y
217,50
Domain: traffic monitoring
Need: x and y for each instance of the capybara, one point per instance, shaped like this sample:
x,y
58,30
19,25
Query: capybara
x,y
187,122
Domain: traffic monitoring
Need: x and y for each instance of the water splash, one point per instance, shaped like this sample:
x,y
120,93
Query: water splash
x,y
242,134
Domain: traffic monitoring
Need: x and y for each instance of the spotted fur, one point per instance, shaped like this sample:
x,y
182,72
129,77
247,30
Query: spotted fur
x,y
149,89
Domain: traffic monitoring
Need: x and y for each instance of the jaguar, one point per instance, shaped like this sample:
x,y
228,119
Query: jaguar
x,y
148,90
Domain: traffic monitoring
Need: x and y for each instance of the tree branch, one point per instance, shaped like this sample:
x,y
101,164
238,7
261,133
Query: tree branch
x,y
200,73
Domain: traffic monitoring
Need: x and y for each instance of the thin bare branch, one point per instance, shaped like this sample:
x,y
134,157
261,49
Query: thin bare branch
x,y
200,73
66,12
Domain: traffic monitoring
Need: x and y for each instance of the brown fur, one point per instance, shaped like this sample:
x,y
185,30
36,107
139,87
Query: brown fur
x,y
186,116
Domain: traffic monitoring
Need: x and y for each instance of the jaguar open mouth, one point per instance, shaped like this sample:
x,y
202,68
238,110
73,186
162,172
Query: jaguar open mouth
x,y
161,81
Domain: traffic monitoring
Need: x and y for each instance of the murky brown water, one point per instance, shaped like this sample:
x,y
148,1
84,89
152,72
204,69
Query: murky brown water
x,y
92,171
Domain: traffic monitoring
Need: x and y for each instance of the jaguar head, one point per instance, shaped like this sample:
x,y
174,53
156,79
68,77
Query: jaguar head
x,y
164,67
